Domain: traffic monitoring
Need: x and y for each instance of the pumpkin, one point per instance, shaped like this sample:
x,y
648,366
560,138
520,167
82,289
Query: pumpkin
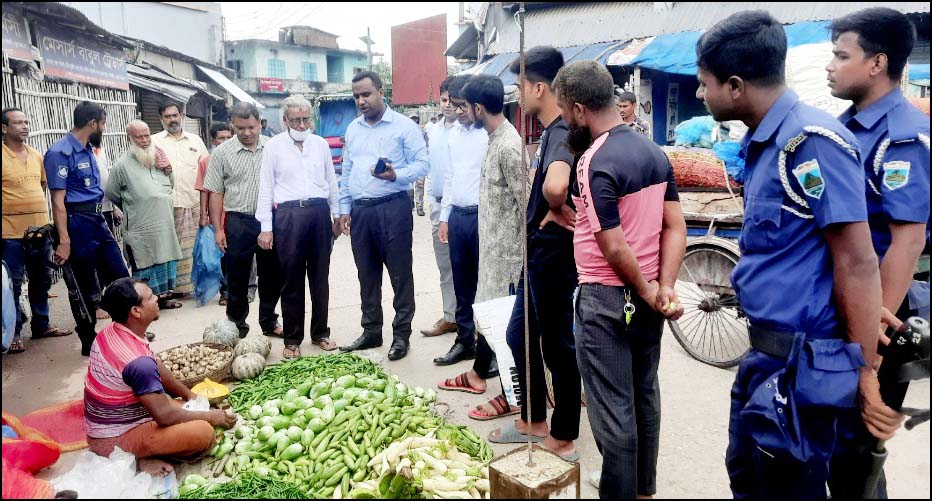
x,y
248,366
253,344
223,332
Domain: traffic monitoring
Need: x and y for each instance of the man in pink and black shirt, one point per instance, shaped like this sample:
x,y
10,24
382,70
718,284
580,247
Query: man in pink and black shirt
x,y
127,391
629,241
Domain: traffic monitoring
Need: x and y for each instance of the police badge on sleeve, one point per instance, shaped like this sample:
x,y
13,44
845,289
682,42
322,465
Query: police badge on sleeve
x,y
895,174
63,171
809,175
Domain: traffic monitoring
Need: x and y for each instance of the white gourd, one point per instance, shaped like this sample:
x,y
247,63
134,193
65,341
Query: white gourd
x,y
248,366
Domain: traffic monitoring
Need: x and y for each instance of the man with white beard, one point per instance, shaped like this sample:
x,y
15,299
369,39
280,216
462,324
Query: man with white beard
x,y
145,194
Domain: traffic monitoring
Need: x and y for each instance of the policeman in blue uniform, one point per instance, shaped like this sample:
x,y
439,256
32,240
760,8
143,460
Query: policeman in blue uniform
x,y
870,52
807,279
74,182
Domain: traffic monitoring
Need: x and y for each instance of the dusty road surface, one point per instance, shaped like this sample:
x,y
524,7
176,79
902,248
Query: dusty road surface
x,y
694,396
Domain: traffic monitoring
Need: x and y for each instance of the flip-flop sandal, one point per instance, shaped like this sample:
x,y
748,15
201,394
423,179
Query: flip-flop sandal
x,y
460,383
101,315
572,457
501,407
509,434
52,332
223,301
325,344
291,352
16,346
170,305
277,332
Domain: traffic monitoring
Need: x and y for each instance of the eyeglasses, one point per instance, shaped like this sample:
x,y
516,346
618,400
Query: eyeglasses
x,y
463,105
301,120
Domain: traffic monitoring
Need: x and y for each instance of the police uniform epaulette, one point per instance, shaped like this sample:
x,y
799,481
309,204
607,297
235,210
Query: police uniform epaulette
x,y
899,131
790,146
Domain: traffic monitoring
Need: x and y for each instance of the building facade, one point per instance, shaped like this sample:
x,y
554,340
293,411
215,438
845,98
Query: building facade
x,y
194,28
303,61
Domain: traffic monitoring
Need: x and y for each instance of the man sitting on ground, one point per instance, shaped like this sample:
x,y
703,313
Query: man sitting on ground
x,y
128,392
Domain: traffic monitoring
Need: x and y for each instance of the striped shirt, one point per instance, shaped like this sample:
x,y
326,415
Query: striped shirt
x,y
122,368
234,172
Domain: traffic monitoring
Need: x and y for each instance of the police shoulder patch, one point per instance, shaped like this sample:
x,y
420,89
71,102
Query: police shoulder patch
x,y
809,175
63,171
895,174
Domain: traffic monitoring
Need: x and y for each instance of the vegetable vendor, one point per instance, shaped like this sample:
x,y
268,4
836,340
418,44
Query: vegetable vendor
x,y
127,389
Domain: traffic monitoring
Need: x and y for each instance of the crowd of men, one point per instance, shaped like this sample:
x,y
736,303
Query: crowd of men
x,y
597,210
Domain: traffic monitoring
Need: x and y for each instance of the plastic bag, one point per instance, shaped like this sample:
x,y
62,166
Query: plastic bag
x,y
199,404
728,152
695,132
492,319
206,273
97,477
9,310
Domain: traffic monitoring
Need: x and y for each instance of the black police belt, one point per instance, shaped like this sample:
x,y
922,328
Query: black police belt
x,y
93,208
774,343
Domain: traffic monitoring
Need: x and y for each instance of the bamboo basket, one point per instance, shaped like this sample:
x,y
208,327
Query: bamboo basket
x,y
219,375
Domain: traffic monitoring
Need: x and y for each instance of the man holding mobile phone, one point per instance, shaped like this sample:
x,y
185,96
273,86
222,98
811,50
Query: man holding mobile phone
x,y
385,154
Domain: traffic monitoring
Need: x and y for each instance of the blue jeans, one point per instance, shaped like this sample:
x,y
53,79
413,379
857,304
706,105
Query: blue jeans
x,y
25,261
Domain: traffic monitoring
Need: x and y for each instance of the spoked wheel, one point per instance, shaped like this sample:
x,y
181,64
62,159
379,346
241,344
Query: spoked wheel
x,y
713,328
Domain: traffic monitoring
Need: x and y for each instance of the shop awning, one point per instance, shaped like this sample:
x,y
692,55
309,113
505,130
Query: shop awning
x,y
221,80
919,72
498,65
161,83
676,52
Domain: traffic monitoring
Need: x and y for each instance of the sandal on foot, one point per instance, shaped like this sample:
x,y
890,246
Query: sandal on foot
x,y
223,301
277,332
501,406
170,305
460,383
101,314
325,344
16,346
52,332
509,434
291,351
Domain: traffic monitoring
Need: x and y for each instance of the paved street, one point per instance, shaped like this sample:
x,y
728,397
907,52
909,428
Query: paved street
x,y
695,396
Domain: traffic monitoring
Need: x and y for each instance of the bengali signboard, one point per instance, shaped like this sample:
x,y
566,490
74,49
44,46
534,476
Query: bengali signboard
x,y
66,55
271,84
16,35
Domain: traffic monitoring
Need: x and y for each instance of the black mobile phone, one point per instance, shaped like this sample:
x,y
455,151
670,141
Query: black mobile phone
x,y
380,165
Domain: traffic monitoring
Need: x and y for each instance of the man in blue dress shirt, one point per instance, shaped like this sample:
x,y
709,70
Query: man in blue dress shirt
x,y
870,52
74,182
808,278
386,154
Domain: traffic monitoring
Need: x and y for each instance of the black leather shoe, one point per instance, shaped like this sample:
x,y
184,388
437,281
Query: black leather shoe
x,y
493,369
363,342
398,350
457,353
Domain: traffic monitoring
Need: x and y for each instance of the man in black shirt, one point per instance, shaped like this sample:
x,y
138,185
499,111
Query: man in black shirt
x,y
552,279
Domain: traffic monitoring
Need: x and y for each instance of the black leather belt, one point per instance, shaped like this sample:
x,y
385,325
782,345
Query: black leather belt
x,y
774,343
309,202
86,207
369,202
472,209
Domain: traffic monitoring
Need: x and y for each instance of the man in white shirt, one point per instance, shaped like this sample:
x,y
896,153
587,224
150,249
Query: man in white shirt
x,y
439,156
298,183
459,219
184,151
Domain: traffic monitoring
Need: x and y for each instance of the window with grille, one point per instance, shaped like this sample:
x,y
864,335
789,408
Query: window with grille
x,y
309,72
276,68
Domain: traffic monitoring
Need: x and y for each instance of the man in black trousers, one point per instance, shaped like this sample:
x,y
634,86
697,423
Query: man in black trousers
x,y
386,153
233,180
299,185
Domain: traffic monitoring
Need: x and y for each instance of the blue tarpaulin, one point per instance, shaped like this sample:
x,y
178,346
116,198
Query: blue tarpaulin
x,y
335,117
498,64
918,72
676,52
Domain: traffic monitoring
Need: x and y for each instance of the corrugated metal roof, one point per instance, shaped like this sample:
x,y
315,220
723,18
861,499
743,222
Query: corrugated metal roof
x,y
586,23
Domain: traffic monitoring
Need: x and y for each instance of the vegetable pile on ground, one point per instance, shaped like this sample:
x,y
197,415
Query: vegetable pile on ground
x,y
193,361
338,426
